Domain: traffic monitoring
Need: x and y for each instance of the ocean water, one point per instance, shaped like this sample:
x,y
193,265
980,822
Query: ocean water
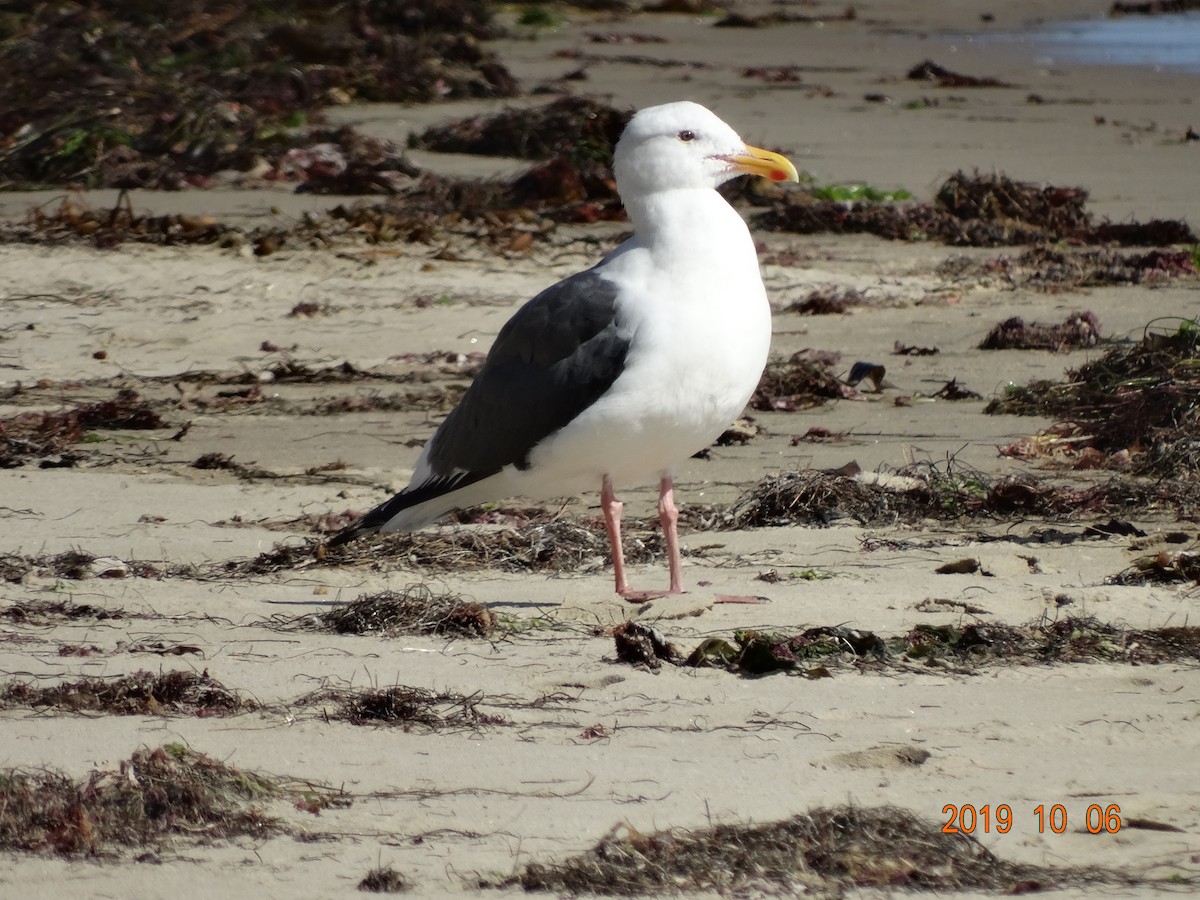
x,y
1164,42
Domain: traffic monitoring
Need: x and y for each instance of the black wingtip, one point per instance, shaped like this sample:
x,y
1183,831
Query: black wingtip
x,y
369,523
346,535
375,519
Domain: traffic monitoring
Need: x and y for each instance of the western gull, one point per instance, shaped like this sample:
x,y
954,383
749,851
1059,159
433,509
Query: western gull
x,y
618,373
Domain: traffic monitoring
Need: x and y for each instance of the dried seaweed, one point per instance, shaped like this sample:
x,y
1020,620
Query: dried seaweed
x,y
826,852
33,435
571,126
552,547
406,707
943,77
1079,329
157,798
979,211
1140,401
1055,210
817,652
828,301
139,694
39,613
167,94
385,880
1152,7
758,653
947,494
415,610
640,644
798,383
1054,269
505,215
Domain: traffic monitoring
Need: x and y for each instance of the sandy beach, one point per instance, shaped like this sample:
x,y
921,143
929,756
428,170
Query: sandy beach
x,y
566,742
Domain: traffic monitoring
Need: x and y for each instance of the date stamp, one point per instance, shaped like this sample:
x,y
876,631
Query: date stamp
x,y
987,819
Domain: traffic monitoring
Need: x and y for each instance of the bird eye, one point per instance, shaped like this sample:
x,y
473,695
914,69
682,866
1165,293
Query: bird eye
x,y
687,136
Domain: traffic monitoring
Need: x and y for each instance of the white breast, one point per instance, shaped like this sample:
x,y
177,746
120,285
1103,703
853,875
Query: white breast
x,y
701,328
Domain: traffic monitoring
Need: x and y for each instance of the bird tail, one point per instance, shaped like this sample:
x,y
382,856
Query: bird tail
x,y
418,505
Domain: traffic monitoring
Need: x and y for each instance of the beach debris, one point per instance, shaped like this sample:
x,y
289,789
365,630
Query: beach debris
x,y
945,493
410,708
943,77
153,801
979,210
741,432
624,37
952,390
555,546
643,645
217,461
902,349
997,198
966,566
575,126
34,435
685,7
385,880
827,301
1135,407
758,653
114,96
782,17
343,161
1054,269
414,610
139,694
40,613
1151,7
828,851
1163,567
819,652
1079,329
868,371
800,382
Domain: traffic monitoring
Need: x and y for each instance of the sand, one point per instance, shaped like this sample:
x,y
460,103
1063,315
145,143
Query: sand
x,y
591,743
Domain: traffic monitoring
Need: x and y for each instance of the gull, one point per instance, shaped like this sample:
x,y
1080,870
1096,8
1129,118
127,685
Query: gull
x,y
617,374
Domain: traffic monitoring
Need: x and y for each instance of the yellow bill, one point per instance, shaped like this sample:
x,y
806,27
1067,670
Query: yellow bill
x,y
756,161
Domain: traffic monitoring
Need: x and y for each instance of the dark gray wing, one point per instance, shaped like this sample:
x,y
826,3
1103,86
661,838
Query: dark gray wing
x,y
552,360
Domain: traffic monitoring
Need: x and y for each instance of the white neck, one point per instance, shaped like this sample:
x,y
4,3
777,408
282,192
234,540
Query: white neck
x,y
697,221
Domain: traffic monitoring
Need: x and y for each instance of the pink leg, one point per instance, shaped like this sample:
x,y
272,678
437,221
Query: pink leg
x,y
611,507
668,517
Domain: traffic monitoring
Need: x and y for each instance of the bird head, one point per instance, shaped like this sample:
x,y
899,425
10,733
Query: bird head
x,y
684,145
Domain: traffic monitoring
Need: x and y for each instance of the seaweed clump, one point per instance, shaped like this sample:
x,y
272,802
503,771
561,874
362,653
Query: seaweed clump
x,y
825,852
576,126
1137,407
42,434
572,139
165,94
817,652
170,793
406,707
944,494
1052,270
558,546
801,382
139,694
1081,329
974,211
415,610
